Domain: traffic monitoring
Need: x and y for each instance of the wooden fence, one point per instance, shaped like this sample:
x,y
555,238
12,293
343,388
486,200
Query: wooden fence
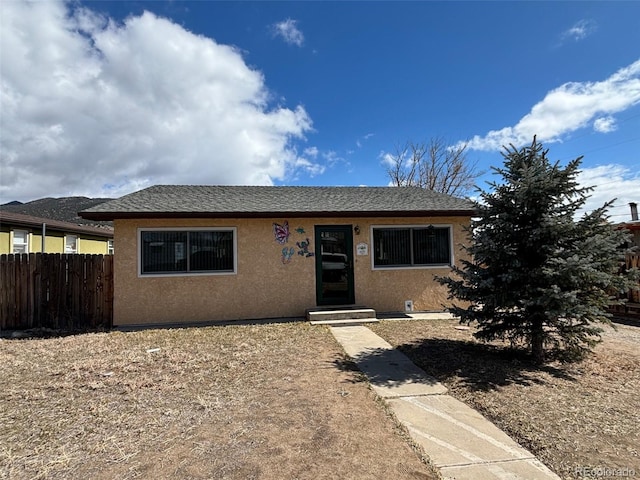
x,y
41,290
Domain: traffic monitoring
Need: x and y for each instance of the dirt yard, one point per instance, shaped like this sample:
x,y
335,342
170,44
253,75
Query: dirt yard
x,y
583,416
240,402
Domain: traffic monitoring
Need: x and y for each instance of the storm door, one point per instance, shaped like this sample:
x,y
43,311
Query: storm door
x,y
334,265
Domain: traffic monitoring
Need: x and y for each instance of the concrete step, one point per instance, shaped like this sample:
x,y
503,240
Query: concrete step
x,y
344,322
341,315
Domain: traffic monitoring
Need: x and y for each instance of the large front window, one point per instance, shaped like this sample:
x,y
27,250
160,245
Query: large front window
x,y
411,246
190,251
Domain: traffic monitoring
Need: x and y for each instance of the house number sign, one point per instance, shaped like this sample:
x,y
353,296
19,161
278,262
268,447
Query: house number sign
x,y
362,249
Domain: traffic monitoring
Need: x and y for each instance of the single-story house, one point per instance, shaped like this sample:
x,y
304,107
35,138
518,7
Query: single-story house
x,y
28,234
201,253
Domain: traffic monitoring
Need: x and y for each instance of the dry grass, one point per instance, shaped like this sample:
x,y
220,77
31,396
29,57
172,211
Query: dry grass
x,y
268,401
570,416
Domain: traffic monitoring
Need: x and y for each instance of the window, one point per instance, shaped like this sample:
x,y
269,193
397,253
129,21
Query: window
x,y
70,244
411,246
193,251
20,241
110,247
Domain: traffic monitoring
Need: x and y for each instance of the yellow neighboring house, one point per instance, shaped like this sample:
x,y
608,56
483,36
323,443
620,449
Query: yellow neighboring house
x,y
24,234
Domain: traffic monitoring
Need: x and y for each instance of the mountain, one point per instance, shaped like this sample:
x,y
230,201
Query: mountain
x,y
64,209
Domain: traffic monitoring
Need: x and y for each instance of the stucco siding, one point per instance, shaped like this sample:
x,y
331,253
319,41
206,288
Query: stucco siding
x,y
263,286
5,242
54,242
92,245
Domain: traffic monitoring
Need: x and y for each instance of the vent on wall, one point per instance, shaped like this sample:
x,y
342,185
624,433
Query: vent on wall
x,y
408,305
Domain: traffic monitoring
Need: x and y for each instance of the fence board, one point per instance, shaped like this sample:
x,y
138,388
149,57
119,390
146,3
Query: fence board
x,y
56,291
107,289
36,274
76,295
23,287
98,297
30,273
4,312
11,285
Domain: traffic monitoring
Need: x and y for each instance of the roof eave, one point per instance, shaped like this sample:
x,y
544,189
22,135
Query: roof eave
x,y
292,214
56,225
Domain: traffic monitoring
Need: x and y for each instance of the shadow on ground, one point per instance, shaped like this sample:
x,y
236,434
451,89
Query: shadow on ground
x,y
477,366
385,367
629,321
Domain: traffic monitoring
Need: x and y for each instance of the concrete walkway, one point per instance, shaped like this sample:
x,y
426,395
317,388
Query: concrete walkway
x,y
458,440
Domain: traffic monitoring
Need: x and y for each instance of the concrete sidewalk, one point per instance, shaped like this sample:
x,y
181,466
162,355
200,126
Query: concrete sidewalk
x,y
460,442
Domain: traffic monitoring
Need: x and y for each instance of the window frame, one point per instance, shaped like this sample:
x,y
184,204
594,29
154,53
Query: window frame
x,y
110,246
448,226
77,249
26,244
141,230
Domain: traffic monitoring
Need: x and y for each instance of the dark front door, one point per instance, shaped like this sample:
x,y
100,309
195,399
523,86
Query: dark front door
x,y
334,265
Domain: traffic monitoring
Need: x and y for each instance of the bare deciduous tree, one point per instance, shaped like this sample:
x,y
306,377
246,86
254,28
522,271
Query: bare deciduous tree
x,y
434,165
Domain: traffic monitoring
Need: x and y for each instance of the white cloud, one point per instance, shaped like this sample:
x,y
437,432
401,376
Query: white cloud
x,y
312,169
289,32
387,159
91,107
609,182
332,158
567,108
311,152
580,30
604,124
365,137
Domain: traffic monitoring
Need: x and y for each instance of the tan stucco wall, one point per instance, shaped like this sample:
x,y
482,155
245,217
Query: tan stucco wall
x,y
263,286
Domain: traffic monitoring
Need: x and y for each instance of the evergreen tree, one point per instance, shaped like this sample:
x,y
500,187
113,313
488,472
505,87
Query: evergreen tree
x,y
536,274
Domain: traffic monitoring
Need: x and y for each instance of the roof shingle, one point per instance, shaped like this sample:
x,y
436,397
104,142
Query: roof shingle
x,y
31,221
267,201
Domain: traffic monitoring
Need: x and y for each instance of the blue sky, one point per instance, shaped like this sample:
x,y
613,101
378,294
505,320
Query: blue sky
x,y
103,98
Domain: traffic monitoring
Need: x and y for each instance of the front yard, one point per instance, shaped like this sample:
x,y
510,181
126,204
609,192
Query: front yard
x,y
281,401
237,402
583,416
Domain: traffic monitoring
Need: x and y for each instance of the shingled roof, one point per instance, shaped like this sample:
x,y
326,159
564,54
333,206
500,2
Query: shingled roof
x,y
174,201
11,218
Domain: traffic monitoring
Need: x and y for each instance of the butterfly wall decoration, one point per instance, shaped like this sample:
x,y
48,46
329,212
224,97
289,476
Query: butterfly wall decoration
x,y
281,232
